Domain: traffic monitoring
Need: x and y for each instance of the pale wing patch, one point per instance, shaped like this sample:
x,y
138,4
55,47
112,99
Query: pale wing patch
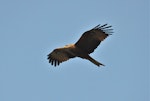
x,y
59,55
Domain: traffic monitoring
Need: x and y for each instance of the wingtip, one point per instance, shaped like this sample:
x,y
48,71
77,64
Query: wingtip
x,y
97,26
103,25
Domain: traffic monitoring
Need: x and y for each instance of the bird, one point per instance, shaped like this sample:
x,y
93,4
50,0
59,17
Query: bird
x,y
86,44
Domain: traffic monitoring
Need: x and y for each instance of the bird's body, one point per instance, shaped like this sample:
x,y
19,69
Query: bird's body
x,y
82,48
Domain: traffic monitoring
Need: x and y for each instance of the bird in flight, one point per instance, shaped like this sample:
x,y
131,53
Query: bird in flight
x,y
87,43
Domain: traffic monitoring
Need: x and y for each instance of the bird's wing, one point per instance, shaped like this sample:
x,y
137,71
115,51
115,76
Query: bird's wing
x,y
59,55
92,38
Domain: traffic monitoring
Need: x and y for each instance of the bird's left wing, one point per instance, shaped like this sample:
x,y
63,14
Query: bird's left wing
x,y
92,38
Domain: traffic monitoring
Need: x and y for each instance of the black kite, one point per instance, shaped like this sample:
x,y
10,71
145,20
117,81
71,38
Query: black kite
x,y
83,47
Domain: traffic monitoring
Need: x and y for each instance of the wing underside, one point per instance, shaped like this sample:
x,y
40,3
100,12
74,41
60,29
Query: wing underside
x,y
92,38
59,55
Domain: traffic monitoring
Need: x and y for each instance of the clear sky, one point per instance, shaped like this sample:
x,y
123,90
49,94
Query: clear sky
x,y
30,29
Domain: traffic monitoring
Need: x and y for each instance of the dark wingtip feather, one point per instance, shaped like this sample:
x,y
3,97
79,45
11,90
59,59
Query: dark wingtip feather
x,y
58,63
97,26
103,25
55,63
106,29
52,61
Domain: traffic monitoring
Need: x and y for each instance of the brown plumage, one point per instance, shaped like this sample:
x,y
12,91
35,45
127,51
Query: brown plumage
x,y
87,43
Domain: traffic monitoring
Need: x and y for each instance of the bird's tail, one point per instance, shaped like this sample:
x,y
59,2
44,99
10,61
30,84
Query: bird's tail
x,y
94,61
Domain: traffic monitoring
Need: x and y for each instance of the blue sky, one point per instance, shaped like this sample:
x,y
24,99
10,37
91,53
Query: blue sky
x,y
30,29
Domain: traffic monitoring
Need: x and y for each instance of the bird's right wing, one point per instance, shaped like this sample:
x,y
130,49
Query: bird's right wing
x,y
59,55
